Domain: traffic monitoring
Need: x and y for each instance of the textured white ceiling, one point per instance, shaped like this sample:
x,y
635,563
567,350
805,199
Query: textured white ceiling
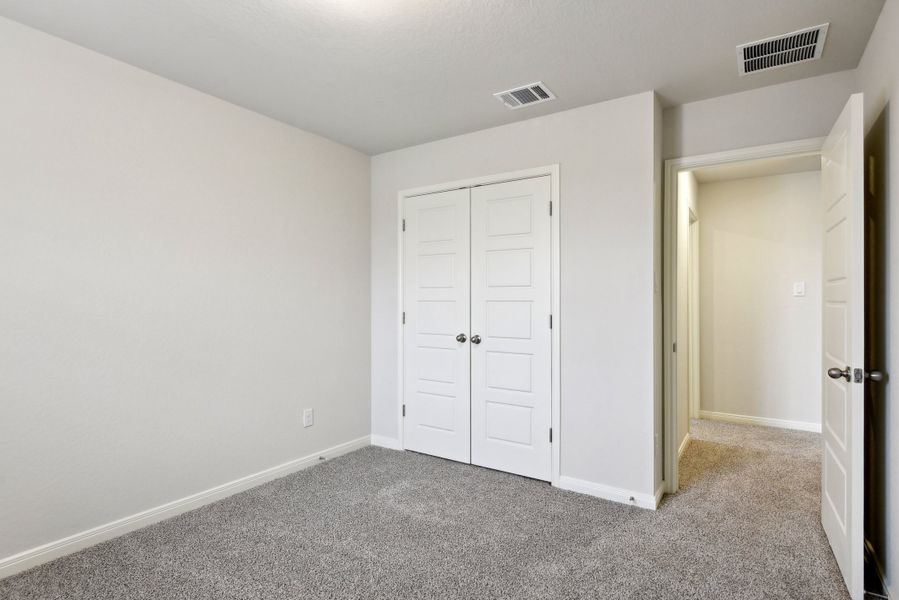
x,y
383,74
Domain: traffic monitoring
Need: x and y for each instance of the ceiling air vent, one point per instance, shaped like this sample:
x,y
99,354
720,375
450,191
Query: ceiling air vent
x,y
526,95
782,50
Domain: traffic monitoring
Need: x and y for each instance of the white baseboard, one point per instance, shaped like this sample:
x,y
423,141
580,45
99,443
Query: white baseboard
x,y
660,492
767,422
684,444
607,492
47,552
386,442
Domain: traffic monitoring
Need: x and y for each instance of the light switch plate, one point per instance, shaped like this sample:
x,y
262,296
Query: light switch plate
x,y
799,288
308,418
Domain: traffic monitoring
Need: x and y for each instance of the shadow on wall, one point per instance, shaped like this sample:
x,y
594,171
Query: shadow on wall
x,y
877,209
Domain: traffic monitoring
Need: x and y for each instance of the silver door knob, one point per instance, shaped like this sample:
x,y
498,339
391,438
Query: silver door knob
x,y
835,373
875,375
461,338
475,339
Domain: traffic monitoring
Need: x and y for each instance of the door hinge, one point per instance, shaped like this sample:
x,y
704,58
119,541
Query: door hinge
x,y
550,321
550,435
404,224
404,410
550,209
404,317
674,347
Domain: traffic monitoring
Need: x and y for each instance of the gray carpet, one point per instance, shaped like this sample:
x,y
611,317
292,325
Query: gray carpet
x,y
384,524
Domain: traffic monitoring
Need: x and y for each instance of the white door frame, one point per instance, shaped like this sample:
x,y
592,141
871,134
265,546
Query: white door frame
x,y
669,273
693,331
555,264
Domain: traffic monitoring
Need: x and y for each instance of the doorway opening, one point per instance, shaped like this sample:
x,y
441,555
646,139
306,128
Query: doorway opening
x,y
749,319
749,312
743,315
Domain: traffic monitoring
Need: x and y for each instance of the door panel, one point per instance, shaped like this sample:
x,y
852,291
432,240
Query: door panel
x,y
436,295
511,368
842,461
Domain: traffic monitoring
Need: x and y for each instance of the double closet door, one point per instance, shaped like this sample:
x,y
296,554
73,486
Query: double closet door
x,y
477,347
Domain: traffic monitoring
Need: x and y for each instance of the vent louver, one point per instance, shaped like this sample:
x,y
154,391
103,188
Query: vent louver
x,y
525,95
782,50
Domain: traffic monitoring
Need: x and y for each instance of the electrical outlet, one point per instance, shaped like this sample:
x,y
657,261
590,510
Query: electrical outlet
x,y
308,418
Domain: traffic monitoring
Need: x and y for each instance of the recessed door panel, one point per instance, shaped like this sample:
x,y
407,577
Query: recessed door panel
x,y
436,299
511,367
509,216
509,268
436,270
509,423
509,319
509,371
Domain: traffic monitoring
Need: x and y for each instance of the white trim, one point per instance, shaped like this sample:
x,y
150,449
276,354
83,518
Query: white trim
x,y
67,545
683,446
555,197
556,308
763,421
482,180
660,493
694,332
669,268
400,317
382,441
607,492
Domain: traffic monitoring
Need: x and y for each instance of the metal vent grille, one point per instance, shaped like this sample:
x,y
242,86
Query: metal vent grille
x,y
782,50
534,93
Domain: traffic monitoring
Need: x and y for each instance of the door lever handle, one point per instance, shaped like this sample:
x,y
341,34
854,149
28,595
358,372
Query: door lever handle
x,y
835,373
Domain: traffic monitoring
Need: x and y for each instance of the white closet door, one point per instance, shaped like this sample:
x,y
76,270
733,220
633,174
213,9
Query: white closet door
x,y
511,366
436,301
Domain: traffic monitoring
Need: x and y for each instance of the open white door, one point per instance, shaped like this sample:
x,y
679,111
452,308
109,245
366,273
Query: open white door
x,y
436,298
842,472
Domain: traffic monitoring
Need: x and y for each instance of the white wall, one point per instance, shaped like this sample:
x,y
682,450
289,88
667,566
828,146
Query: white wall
x,y
609,240
878,78
179,277
688,197
760,346
796,110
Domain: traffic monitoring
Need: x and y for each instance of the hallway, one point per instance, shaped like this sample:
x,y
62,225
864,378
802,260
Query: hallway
x,y
750,498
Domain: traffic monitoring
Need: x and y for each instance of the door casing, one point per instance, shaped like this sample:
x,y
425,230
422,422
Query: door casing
x,y
555,265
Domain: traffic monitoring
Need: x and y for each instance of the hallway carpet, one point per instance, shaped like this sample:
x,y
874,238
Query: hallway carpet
x,y
385,524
